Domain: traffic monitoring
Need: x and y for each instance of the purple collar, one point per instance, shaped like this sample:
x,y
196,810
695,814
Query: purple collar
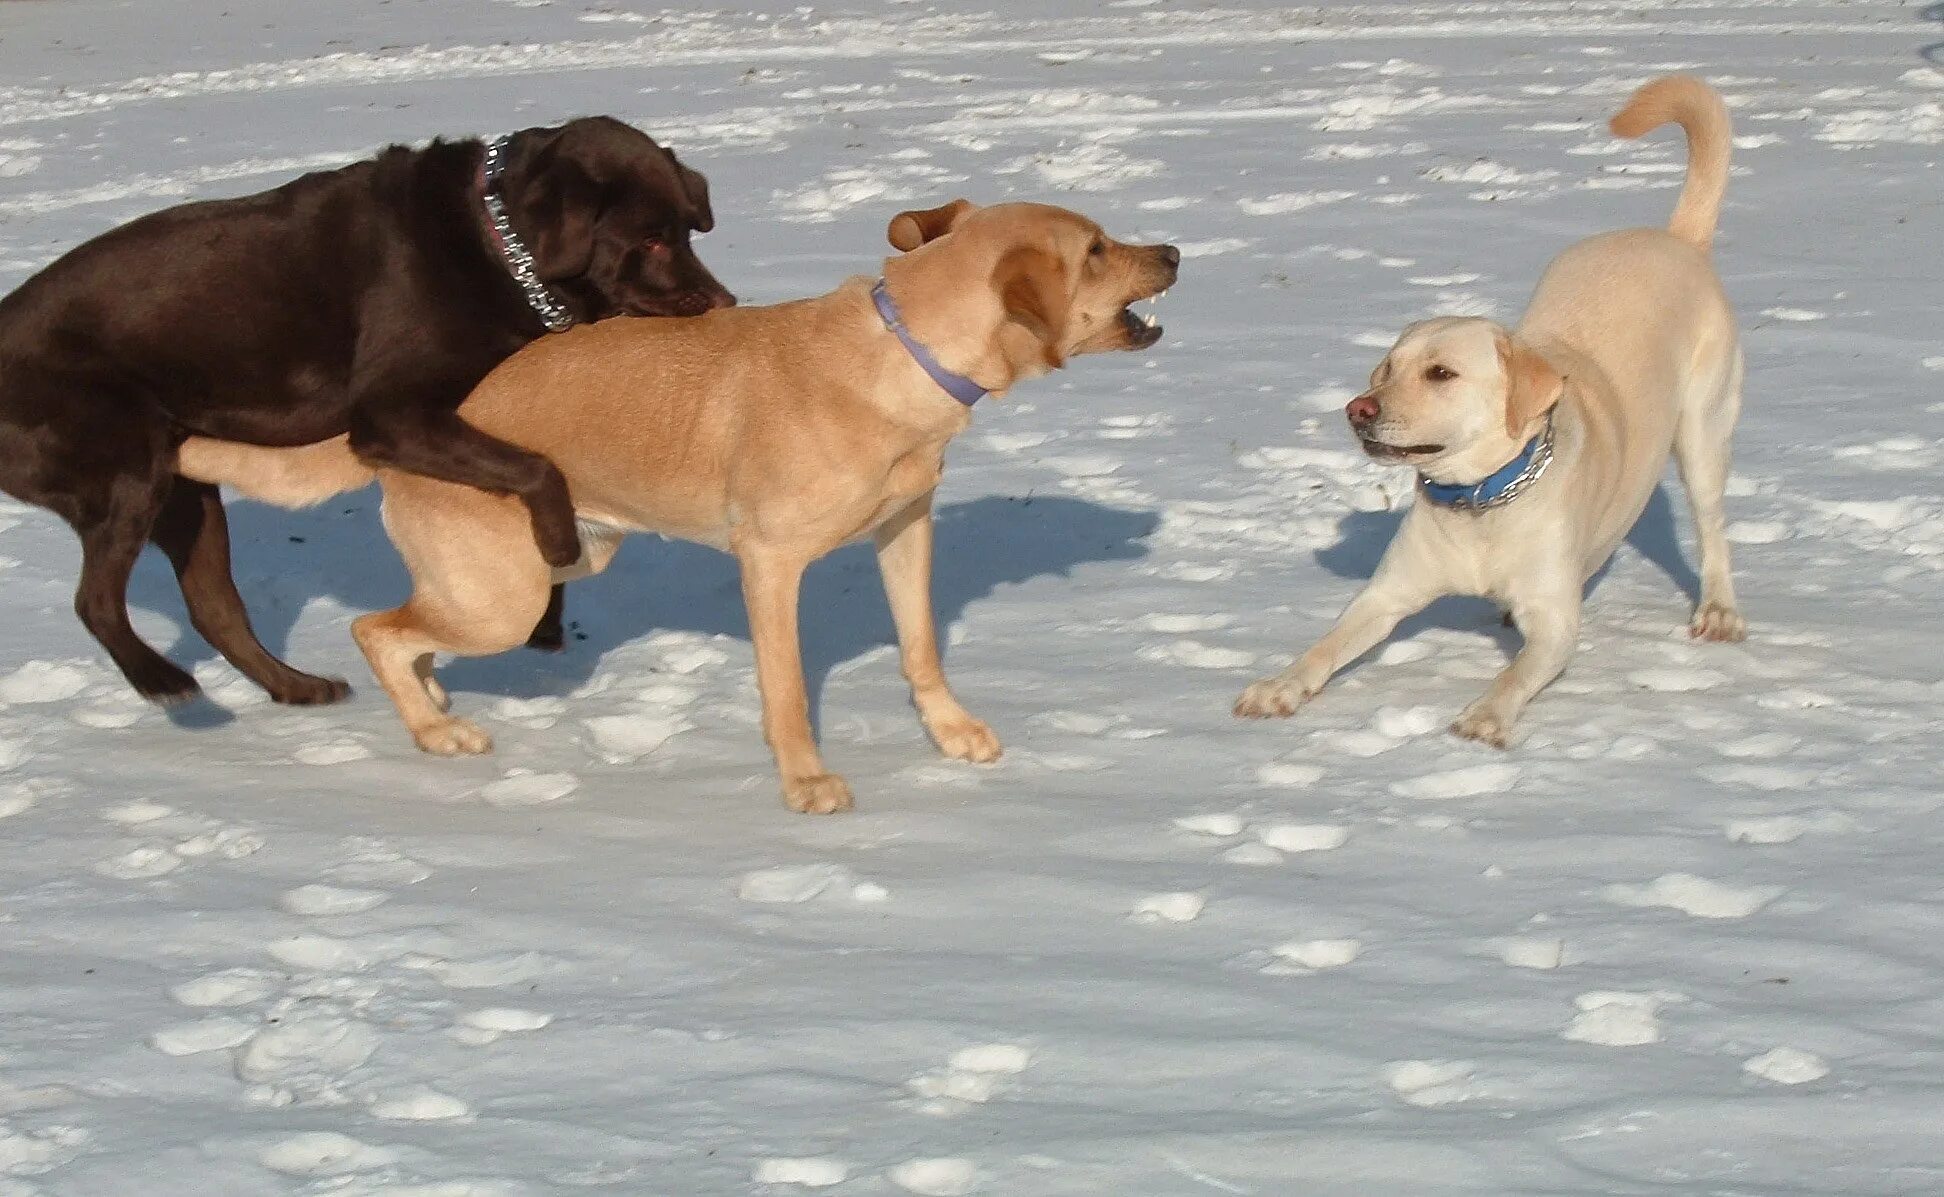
x,y
958,386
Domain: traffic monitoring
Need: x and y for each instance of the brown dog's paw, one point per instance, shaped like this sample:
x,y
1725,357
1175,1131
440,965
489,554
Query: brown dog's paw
x,y
163,683
1483,726
558,552
307,691
966,739
1272,697
1719,622
453,737
823,794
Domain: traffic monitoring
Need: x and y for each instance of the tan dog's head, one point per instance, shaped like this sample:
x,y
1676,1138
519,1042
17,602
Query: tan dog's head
x,y
1454,397
1047,284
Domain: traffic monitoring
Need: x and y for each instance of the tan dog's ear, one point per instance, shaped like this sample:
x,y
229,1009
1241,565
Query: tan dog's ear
x,y
1533,386
909,230
1029,282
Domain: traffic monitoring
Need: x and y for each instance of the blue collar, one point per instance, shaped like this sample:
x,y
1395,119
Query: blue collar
x,y
1504,485
958,386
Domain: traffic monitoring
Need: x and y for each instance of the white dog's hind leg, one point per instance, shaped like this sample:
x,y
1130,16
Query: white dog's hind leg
x,y
1702,439
1550,622
1369,618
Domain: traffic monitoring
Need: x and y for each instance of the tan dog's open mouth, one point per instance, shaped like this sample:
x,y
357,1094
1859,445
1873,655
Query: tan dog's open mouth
x,y
1143,330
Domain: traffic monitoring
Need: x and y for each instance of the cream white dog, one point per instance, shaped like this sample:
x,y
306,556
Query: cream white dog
x,y
1537,448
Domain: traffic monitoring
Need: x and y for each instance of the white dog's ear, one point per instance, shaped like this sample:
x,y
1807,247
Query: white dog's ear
x,y
1533,386
909,230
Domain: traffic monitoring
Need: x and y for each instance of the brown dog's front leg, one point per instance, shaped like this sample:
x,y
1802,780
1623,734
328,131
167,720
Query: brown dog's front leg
x,y
904,547
550,634
771,582
438,444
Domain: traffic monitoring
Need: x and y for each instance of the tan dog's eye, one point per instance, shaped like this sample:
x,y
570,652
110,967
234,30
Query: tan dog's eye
x,y
1098,247
1439,374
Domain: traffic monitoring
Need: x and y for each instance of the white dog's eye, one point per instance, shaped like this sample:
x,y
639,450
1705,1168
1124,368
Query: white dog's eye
x,y
1439,374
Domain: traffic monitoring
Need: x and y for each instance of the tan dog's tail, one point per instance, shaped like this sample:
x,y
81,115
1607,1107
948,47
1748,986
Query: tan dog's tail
x,y
299,477
1698,109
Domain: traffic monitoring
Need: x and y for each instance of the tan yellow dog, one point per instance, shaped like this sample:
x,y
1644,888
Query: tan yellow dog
x,y
1537,448
776,433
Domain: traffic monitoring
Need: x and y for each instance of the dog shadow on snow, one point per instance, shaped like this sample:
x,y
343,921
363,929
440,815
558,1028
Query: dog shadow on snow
x,y
1364,535
286,559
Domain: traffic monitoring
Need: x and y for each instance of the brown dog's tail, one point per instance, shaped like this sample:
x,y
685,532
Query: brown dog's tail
x,y
299,477
1697,108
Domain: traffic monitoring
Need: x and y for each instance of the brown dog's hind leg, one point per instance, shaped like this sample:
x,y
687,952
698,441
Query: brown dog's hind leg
x,y
192,529
113,527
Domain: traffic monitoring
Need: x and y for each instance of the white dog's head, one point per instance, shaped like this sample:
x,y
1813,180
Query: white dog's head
x,y
1455,398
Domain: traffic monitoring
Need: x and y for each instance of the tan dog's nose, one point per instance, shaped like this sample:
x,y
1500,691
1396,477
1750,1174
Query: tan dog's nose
x,y
1362,410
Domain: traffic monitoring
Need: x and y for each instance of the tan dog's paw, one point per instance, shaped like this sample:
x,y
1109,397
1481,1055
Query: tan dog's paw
x,y
1276,697
437,693
1484,725
1714,621
965,739
453,737
823,794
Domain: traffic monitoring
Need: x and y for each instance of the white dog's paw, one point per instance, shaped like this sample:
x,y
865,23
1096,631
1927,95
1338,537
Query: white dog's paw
x,y
453,737
965,739
1276,697
1483,724
1717,621
819,794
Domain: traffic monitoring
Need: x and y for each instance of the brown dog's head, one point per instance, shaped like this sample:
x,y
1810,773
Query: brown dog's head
x,y
1047,284
608,214
1454,397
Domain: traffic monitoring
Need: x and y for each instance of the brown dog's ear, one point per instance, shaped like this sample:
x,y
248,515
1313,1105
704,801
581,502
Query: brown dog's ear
x,y
909,230
1533,386
1030,284
696,188
560,202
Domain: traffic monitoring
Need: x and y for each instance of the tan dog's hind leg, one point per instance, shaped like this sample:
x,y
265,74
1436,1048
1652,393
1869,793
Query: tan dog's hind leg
x,y
1549,620
904,548
772,581
400,653
1397,591
478,585
1701,449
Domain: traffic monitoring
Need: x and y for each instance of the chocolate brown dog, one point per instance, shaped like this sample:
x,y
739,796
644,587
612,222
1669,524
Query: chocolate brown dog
x,y
367,300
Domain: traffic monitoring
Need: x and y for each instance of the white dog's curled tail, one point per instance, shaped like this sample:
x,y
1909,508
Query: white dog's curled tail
x,y
1697,108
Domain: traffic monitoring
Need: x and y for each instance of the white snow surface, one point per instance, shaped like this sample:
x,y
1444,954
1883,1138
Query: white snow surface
x,y
1687,937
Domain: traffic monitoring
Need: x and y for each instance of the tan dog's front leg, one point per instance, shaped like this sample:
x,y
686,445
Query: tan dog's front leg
x,y
1369,618
1550,624
771,583
904,547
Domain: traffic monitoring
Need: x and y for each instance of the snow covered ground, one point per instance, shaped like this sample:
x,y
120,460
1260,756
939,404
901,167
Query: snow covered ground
x,y
1687,937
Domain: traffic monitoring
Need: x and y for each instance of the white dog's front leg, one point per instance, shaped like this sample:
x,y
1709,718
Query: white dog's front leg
x,y
1550,625
1369,618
